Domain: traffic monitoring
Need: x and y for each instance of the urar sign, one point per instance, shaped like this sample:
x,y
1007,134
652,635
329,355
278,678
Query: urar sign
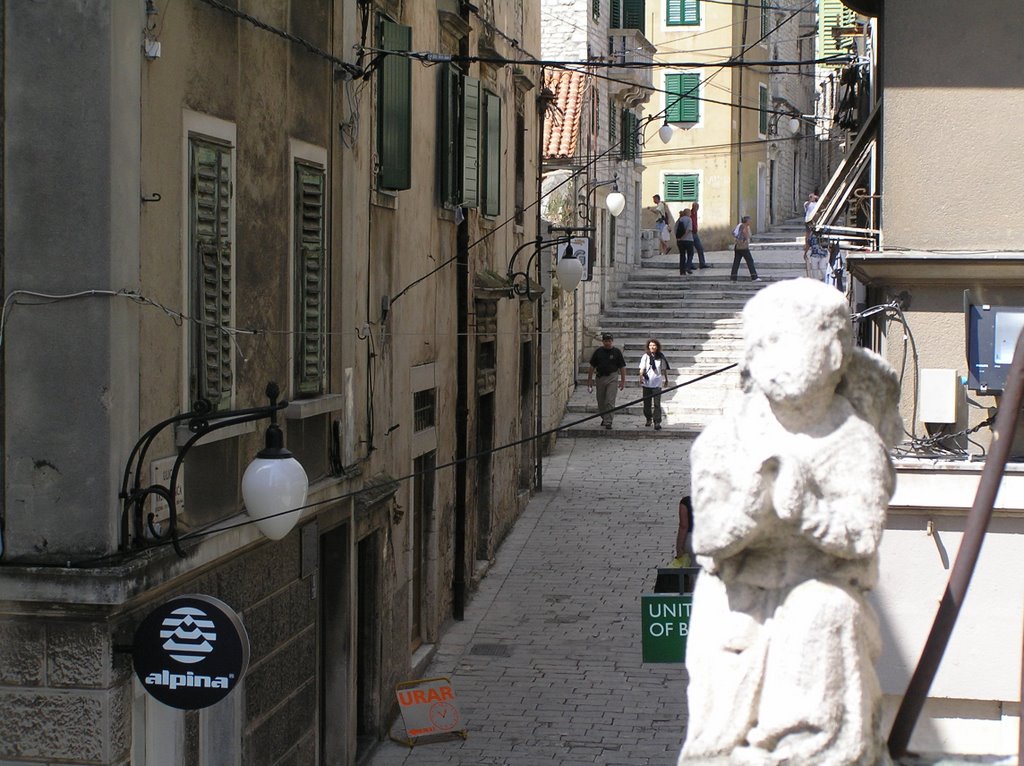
x,y
429,708
665,622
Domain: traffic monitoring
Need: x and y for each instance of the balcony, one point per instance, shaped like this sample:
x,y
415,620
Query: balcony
x,y
629,46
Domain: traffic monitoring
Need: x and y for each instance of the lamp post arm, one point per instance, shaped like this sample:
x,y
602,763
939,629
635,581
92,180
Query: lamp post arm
x,y
201,424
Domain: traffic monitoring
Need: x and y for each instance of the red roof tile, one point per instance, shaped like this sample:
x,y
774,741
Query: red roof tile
x,y
562,121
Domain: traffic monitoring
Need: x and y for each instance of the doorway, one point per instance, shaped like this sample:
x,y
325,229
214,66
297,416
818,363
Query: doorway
x,y
367,650
337,724
484,444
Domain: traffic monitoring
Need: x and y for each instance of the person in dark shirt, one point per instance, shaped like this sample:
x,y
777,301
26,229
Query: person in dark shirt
x,y
606,361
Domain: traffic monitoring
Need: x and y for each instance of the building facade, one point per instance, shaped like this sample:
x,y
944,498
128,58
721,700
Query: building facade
x,y
199,200
594,145
730,151
931,300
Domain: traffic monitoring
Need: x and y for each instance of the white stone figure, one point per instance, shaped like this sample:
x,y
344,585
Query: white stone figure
x,y
790,490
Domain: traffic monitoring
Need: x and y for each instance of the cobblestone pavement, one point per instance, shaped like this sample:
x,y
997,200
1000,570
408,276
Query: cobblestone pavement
x,y
547,664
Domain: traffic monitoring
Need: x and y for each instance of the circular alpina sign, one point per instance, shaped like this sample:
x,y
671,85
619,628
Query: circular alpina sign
x,y
190,652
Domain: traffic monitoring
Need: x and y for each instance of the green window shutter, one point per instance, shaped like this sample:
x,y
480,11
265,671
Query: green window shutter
x,y
448,156
394,108
210,373
310,268
762,115
630,142
765,19
633,14
681,188
682,13
831,14
683,103
597,9
613,123
615,22
470,142
492,155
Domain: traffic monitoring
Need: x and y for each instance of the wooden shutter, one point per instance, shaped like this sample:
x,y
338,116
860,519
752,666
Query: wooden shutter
x,y
492,154
832,14
613,123
310,282
596,9
630,138
685,106
681,188
211,372
470,142
615,22
394,108
448,148
633,14
765,19
682,12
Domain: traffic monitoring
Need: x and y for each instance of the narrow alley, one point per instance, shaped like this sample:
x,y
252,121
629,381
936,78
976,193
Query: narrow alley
x,y
547,664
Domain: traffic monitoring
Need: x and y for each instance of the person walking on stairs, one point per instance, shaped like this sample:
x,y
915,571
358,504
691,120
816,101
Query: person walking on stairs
x,y
606,361
653,377
684,239
742,250
697,244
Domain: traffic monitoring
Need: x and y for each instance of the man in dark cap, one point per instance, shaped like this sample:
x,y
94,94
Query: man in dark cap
x,y
606,361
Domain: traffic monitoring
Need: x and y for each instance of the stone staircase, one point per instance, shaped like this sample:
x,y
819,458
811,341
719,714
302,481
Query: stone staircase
x,y
696,318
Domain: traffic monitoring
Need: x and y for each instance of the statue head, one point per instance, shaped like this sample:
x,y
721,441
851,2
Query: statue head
x,y
797,340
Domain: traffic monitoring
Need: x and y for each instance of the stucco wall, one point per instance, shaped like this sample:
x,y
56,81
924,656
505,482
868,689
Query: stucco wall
x,y
952,126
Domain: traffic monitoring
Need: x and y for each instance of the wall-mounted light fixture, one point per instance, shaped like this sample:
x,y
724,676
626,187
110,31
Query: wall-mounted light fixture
x,y
615,202
273,488
568,277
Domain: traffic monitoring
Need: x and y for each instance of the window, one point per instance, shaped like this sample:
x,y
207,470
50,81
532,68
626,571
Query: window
x,y
682,13
491,153
596,9
458,158
520,160
449,166
762,113
681,187
310,277
682,97
394,109
423,410
613,123
627,14
211,281
765,19
630,135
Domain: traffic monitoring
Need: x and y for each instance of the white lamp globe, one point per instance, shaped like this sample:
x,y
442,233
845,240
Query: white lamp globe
x,y
273,484
794,124
665,133
615,203
569,271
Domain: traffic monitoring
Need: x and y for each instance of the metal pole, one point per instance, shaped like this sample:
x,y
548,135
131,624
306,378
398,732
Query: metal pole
x,y
967,557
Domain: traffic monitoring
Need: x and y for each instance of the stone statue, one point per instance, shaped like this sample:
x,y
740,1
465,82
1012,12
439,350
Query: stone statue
x,y
790,491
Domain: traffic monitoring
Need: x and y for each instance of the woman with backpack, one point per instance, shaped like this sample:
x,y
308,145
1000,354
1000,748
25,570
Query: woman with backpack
x,y
742,250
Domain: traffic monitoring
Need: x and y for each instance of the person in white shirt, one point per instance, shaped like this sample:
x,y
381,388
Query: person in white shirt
x,y
653,377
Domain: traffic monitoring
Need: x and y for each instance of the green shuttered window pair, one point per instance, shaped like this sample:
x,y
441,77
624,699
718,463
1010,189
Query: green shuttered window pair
x,y
394,108
762,114
630,135
682,97
681,188
682,13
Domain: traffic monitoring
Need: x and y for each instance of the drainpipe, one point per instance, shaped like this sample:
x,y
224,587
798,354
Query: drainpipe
x,y
541,106
461,400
